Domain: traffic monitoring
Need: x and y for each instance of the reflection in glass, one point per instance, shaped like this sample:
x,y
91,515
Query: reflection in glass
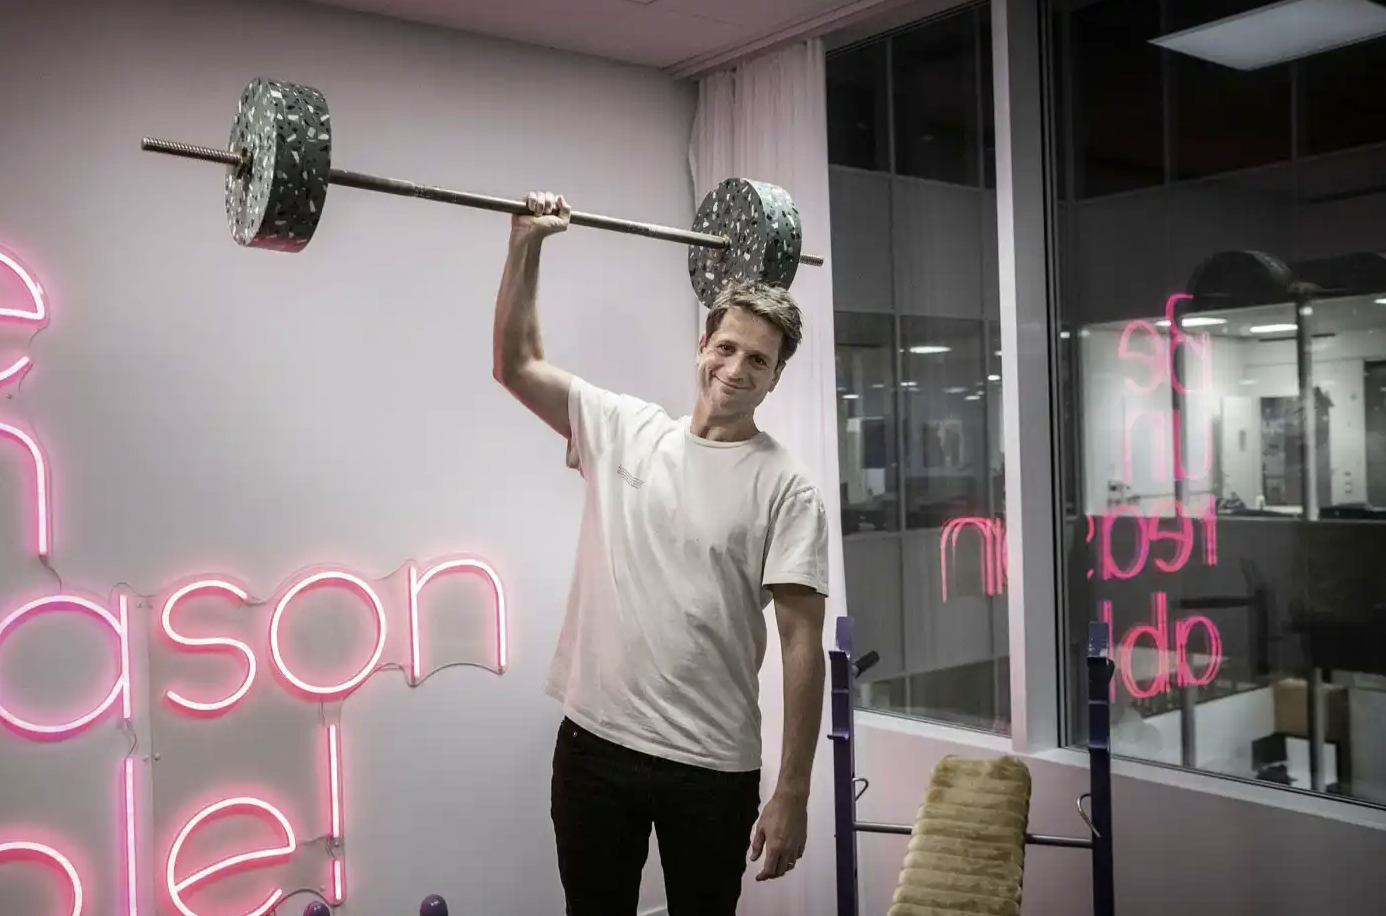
x,y
866,422
937,80
1205,432
951,392
1112,95
857,129
1337,87
1224,403
919,386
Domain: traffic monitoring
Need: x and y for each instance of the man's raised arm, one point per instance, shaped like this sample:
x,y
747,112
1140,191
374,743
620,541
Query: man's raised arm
x,y
518,356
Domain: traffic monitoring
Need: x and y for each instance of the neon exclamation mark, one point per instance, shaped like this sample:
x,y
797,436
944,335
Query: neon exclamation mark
x,y
131,878
334,766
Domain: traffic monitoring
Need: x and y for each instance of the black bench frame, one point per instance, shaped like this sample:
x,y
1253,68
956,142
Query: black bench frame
x,y
844,673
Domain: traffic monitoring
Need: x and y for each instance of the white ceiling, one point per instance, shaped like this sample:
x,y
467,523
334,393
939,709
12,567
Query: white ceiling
x,y
683,37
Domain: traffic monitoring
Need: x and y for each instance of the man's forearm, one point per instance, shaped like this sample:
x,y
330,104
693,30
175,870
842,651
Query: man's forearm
x,y
516,337
803,714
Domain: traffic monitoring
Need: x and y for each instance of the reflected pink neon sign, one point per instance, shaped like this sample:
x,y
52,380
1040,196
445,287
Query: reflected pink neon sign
x,y
182,881
1157,633
991,538
1165,525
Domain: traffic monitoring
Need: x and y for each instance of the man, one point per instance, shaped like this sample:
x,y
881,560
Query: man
x,y
690,528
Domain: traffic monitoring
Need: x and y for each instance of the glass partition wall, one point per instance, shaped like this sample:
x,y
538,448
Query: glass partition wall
x,y
1216,259
920,444
1220,228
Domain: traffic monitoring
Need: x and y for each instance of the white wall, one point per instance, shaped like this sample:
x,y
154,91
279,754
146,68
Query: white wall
x,y
206,408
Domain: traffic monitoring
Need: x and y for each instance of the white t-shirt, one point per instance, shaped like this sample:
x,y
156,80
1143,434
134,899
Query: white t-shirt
x,y
665,630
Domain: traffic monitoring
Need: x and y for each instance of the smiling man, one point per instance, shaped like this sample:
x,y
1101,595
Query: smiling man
x,y
691,528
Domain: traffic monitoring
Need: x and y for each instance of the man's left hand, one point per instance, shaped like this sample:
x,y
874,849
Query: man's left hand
x,y
781,834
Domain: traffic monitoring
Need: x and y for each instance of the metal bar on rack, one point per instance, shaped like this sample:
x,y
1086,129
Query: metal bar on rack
x,y
1033,839
1067,842
894,829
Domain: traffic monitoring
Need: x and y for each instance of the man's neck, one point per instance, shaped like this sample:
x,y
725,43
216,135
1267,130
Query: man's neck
x,y
724,428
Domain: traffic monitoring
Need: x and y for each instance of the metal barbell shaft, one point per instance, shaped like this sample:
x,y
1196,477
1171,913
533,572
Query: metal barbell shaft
x,y
463,198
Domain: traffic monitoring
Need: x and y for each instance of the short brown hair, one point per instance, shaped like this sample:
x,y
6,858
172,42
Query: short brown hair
x,y
772,303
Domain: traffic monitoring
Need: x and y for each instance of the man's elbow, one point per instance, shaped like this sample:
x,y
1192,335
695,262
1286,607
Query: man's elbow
x,y
507,371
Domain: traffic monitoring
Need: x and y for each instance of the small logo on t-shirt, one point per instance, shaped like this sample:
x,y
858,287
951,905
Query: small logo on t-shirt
x,y
628,477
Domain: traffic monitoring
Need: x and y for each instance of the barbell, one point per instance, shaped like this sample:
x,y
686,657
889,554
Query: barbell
x,y
279,165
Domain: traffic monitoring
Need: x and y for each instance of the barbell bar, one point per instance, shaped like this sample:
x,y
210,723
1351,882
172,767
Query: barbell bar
x,y
279,167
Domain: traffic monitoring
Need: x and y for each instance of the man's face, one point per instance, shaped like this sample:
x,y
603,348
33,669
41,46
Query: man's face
x,y
739,364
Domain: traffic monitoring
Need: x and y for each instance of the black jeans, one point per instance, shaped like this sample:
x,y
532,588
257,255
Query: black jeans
x,y
606,798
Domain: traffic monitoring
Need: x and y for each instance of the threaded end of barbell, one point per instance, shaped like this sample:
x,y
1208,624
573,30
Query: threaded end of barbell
x,y
190,151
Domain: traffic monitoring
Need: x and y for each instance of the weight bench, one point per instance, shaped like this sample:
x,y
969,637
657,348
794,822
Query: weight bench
x,y
973,813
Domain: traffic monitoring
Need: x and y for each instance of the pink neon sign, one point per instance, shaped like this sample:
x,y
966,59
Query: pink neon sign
x,y
232,864
195,587
418,580
22,850
179,886
334,691
42,524
34,312
120,689
127,795
334,787
1165,534
182,880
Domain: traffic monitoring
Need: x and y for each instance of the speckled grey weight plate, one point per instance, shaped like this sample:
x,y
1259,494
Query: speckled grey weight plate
x,y
276,200
766,238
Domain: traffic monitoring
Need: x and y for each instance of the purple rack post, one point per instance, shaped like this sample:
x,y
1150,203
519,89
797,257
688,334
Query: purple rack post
x,y
1100,671
844,769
